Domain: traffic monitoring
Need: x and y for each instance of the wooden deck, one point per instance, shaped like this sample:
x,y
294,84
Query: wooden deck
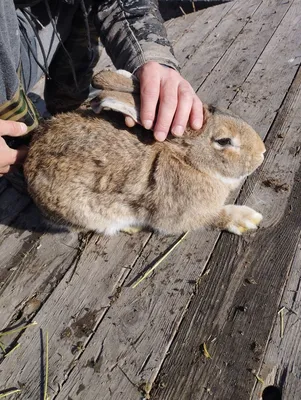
x,y
110,341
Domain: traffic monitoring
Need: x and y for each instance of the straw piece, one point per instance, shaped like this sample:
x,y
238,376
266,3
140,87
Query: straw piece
x,y
148,272
281,314
257,376
205,351
17,330
46,397
12,350
183,12
2,347
9,393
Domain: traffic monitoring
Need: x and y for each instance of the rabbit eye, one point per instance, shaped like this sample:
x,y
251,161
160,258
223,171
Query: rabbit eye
x,y
224,142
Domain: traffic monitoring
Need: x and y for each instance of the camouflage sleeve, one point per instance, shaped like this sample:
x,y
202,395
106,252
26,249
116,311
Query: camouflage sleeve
x,y
133,33
14,104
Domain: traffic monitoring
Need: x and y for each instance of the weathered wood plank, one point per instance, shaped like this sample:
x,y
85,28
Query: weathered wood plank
x,y
141,324
281,363
279,61
188,33
34,260
208,54
31,256
224,82
281,355
229,313
73,310
176,27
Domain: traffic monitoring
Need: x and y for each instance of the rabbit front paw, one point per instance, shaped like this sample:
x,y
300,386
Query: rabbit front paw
x,y
240,219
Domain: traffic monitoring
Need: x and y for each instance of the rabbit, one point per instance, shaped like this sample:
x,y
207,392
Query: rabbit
x,y
89,171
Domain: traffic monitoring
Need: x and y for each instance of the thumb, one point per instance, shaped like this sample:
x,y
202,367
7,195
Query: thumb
x,y
12,128
129,122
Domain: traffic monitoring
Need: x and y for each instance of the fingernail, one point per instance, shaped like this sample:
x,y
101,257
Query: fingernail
x,y
160,136
148,124
196,124
23,127
178,130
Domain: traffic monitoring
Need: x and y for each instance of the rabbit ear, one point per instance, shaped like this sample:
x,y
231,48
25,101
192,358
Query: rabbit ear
x,y
208,111
190,133
120,81
125,103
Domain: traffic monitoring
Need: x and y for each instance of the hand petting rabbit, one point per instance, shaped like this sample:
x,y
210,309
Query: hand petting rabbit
x,y
90,172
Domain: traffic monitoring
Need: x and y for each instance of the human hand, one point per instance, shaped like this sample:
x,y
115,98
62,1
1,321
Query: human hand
x,y
8,156
178,102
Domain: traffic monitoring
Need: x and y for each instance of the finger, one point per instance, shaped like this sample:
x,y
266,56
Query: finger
x,y
12,157
4,170
149,91
21,155
129,122
185,101
12,128
167,109
196,115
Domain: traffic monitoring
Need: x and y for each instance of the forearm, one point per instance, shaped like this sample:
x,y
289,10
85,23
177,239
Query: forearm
x,y
133,33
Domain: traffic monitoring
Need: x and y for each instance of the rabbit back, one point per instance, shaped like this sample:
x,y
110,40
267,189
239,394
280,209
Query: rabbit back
x,y
91,173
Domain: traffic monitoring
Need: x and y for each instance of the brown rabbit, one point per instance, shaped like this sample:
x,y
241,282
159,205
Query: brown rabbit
x,y
93,173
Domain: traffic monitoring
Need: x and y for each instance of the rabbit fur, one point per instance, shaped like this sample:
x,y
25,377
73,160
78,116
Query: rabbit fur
x,y
92,172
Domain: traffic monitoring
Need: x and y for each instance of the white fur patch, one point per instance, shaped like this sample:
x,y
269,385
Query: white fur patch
x,y
125,73
110,103
229,181
117,226
95,222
